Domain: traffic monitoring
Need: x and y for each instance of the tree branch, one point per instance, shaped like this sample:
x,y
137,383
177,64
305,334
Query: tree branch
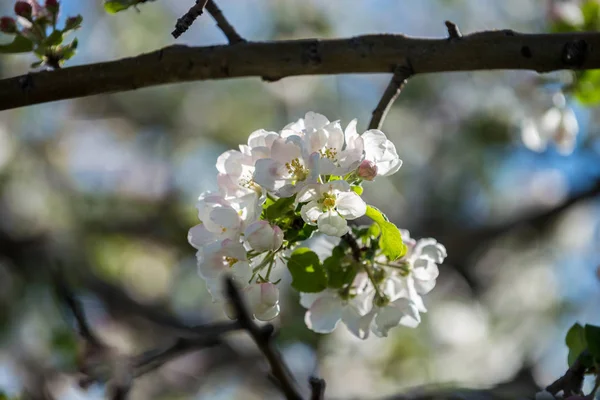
x,y
232,36
571,383
490,50
262,338
391,93
184,23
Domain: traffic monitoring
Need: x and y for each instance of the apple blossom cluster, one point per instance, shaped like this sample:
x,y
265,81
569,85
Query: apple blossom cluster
x,y
36,30
282,188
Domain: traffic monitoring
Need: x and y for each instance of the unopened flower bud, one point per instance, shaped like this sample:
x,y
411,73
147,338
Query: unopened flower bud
x,y
23,9
367,170
263,237
8,25
52,6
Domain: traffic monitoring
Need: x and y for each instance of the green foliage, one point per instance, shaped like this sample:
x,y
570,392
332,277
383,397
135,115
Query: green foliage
x,y
592,337
587,88
308,273
279,209
298,235
114,6
19,45
339,273
357,189
390,241
580,339
576,343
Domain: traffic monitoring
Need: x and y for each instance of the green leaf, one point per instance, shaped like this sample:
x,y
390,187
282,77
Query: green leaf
x,y
280,208
72,24
69,50
297,235
338,274
587,88
37,64
592,337
54,39
19,45
591,15
357,189
391,240
114,6
307,271
576,342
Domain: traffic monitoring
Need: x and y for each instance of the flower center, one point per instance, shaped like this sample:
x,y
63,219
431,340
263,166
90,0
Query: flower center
x,y
329,152
328,201
230,261
297,170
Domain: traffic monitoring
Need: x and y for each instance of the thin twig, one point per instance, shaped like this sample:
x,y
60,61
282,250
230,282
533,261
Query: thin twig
x,y
453,31
65,293
232,36
188,18
154,359
317,387
263,340
348,238
401,74
571,383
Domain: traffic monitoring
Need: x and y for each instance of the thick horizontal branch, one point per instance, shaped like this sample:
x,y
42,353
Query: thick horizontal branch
x,y
275,60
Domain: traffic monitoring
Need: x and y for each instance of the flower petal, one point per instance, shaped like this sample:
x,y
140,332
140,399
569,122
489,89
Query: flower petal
x,y
311,212
324,314
350,205
332,224
199,236
359,325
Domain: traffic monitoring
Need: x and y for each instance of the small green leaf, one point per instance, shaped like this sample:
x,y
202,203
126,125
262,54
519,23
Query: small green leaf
x,y
72,24
338,272
19,45
307,271
37,64
54,39
280,208
391,240
357,189
592,337
587,88
69,50
114,6
576,342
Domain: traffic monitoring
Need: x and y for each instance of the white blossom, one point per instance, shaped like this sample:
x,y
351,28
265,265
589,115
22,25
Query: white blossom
x,y
327,308
329,205
262,236
381,151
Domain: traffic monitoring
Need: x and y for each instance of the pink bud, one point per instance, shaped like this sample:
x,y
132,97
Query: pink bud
x,y
52,6
262,236
367,170
23,9
8,25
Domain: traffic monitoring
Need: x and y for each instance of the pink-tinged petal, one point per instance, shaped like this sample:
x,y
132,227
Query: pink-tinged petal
x,y
311,212
285,150
350,205
335,136
381,151
262,138
308,193
324,315
199,236
335,187
230,162
267,172
226,217
314,120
